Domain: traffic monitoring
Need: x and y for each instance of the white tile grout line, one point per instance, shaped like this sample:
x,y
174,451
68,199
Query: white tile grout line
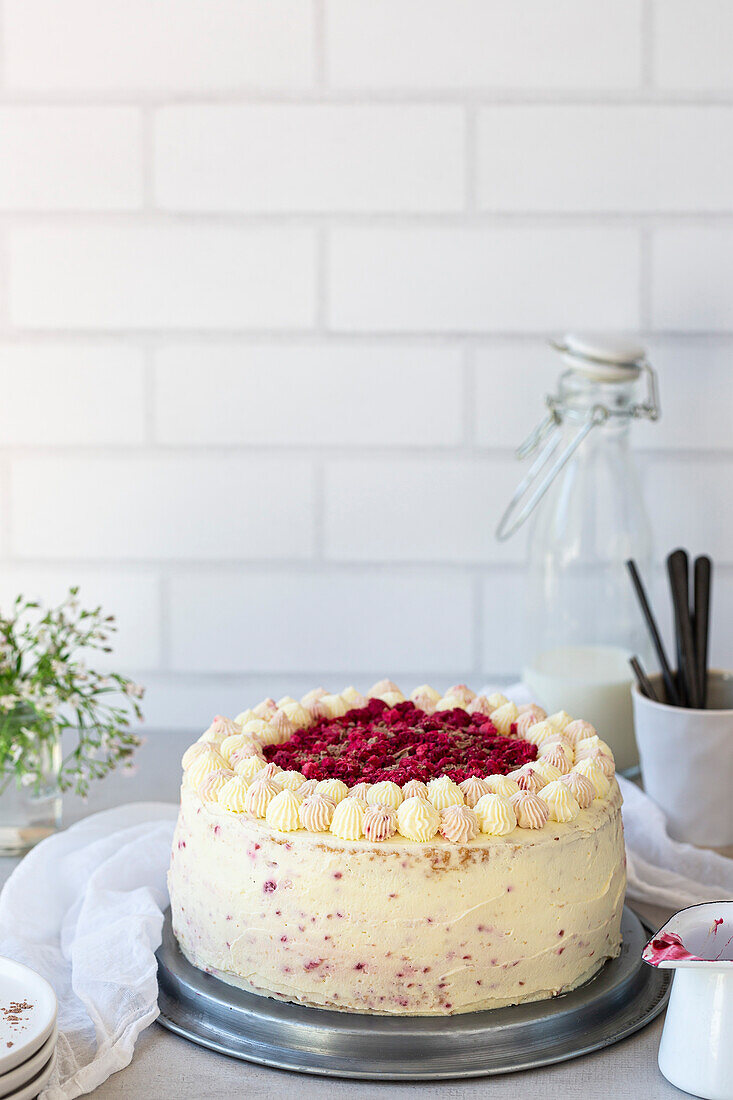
x,y
642,96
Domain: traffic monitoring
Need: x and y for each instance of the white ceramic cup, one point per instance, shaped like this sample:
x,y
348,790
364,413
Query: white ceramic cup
x,y
687,761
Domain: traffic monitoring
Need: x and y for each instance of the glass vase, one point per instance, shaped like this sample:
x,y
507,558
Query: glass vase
x,y
29,813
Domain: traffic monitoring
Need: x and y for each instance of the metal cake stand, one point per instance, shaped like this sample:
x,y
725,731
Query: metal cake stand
x,y
623,997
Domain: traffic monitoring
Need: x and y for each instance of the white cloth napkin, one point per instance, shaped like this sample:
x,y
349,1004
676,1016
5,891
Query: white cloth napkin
x,y
85,910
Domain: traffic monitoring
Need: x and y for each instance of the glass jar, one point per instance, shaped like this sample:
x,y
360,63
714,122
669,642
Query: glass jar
x,y
30,810
580,620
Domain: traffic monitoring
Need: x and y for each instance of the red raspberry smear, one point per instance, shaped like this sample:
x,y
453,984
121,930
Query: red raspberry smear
x,y
379,742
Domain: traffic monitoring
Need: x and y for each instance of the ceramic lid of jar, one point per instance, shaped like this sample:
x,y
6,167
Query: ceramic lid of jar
x,y
602,357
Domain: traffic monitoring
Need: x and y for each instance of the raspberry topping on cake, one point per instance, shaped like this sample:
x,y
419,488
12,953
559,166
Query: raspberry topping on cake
x,y
399,743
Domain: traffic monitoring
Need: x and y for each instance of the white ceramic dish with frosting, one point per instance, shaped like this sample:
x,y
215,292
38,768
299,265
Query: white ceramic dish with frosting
x,y
471,885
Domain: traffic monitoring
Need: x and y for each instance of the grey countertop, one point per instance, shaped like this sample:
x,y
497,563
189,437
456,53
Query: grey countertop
x,y
168,1068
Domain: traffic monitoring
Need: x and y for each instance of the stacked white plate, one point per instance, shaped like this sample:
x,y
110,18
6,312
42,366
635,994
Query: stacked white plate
x,y
27,1031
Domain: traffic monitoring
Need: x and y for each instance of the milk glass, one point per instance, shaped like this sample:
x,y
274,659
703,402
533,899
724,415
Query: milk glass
x,y
581,622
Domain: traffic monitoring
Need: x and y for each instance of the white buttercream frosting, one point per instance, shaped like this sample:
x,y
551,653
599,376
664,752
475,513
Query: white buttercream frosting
x,y
596,775
386,793
381,688
504,717
529,778
497,699
561,802
444,792
474,788
266,708
334,789
577,730
546,770
291,780
348,819
244,717
380,822
333,705
560,720
417,819
426,698
480,705
531,810
415,788
541,731
360,790
259,796
590,745
392,698
204,764
503,785
220,728
496,815
298,715
240,744
315,813
459,824
248,767
195,750
232,795
208,790
581,788
282,812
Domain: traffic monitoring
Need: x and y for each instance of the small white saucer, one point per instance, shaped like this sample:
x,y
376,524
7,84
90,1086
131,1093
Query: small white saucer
x,y
27,1013
39,1082
23,1073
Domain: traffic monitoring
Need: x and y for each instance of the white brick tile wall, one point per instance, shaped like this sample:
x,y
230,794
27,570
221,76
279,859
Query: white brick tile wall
x,y
501,623
417,510
180,508
697,395
276,284
462,44
689,505
504,410
692,45
620,158
70,394
117,277
183,45
341,624
482,280
692,278
70,158
132,597
310,157
335,395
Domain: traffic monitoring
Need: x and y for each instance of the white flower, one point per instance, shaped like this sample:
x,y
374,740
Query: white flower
x,y
27,780
7,702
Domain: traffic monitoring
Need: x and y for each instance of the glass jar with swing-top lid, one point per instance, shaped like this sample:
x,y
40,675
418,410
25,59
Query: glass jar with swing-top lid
x,y
587,518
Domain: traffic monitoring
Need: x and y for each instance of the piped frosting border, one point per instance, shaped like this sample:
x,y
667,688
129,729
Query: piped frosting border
x,y
227,767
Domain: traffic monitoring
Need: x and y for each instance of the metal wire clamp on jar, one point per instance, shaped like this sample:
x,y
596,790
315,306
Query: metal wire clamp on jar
x,y
580,624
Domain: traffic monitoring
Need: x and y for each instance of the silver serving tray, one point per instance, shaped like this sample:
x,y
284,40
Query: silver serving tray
x,y
623,997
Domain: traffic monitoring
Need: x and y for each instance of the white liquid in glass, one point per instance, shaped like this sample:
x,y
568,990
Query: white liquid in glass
x,y
593,683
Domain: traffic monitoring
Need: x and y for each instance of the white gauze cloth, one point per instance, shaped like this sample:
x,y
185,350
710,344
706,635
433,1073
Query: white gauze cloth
x,y
85,910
